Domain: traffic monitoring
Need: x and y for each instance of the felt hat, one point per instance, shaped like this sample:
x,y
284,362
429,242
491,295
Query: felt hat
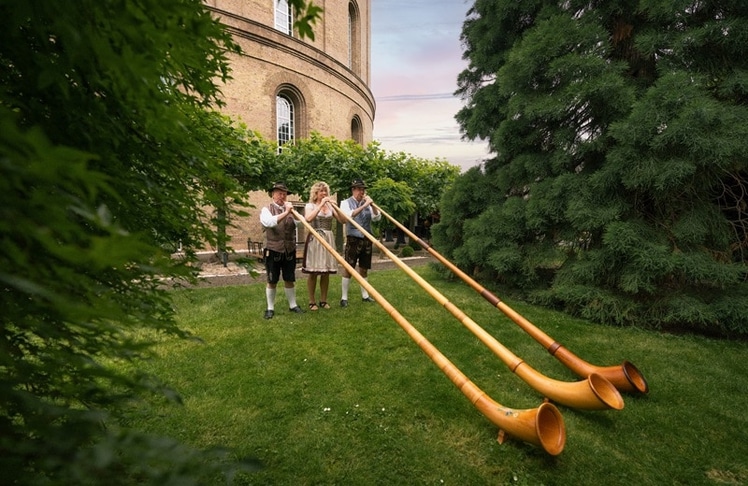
x,y
358,183
281,186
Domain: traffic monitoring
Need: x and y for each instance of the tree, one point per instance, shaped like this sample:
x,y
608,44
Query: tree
x,y
242,158
426,178
396,197
105,165
339,162
320,158
619,130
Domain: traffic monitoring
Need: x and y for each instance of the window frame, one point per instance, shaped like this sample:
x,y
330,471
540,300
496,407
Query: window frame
x,y
283,17
285,113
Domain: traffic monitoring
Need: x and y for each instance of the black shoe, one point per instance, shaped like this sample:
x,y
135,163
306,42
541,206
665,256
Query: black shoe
x,y
296,309
269,314
343,303
367,299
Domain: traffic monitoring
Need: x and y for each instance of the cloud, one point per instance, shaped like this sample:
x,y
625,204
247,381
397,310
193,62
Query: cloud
x,y
416,58
419,97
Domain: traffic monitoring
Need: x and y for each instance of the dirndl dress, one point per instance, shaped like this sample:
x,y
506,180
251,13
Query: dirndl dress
x,y
316,257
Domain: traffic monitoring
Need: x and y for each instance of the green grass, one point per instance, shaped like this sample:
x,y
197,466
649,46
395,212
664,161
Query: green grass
x,y
344,396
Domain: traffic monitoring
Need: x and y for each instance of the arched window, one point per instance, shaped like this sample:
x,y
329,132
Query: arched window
x,y
284,115
354,39
290,114
283,17
356,130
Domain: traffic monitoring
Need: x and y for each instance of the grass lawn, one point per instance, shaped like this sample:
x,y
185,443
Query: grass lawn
x,y
344,396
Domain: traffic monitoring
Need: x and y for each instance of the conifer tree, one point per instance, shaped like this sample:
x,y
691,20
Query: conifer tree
x,y
620,134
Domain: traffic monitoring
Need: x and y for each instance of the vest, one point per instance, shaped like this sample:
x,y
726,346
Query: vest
x,y
282,237
363,218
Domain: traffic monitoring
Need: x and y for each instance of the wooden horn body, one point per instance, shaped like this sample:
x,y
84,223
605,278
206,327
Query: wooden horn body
x,y
542,426
625,377
593,393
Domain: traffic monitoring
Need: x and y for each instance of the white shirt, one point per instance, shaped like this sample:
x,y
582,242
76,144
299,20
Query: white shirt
x,y
267,219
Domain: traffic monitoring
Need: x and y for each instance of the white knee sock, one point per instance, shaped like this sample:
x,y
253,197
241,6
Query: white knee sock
x,y
364,293
270,297
346,285
291,296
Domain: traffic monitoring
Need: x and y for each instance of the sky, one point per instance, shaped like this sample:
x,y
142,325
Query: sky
x,y
416,57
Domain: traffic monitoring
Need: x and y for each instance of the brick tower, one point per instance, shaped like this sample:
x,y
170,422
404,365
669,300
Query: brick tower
x,y
285,87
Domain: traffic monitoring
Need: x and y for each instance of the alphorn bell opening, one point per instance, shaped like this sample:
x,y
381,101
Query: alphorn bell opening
x,y
542,426
625,377
595,392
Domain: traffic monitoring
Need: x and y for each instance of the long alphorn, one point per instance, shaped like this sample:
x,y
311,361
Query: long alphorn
x,y
542,426
625,377
593,393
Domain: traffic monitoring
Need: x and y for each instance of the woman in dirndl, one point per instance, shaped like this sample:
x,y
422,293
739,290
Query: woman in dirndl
x,y
317,260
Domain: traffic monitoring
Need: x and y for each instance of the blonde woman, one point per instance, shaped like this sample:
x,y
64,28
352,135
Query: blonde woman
x,y
317,260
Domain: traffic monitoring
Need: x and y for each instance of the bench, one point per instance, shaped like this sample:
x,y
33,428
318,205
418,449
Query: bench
x,y
255,249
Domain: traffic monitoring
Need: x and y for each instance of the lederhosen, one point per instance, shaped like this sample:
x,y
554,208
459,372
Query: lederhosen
x,y
280,248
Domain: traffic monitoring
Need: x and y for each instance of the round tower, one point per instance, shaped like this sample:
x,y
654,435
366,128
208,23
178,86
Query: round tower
x,y
286,87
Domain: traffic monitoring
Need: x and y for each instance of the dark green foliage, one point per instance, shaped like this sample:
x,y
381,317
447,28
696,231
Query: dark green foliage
x,y
107,157
77,293
620,134
407,251
242,161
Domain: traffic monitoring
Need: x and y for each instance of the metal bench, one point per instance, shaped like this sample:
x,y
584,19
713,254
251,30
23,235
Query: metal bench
x,y
255,249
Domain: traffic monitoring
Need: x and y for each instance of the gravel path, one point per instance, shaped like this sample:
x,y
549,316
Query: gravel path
x,y
216,274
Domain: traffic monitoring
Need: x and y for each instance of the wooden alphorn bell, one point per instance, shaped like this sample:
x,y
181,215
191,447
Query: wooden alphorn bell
x,y
595,392
625,377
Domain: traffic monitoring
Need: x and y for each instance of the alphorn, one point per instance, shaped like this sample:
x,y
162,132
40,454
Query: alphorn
x,y
625,377
542,426
593,393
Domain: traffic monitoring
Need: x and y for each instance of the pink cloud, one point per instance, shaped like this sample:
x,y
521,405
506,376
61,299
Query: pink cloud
x,y
416,58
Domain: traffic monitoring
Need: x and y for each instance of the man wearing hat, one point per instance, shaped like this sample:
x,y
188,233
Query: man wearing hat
x,y
357,247
280,248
